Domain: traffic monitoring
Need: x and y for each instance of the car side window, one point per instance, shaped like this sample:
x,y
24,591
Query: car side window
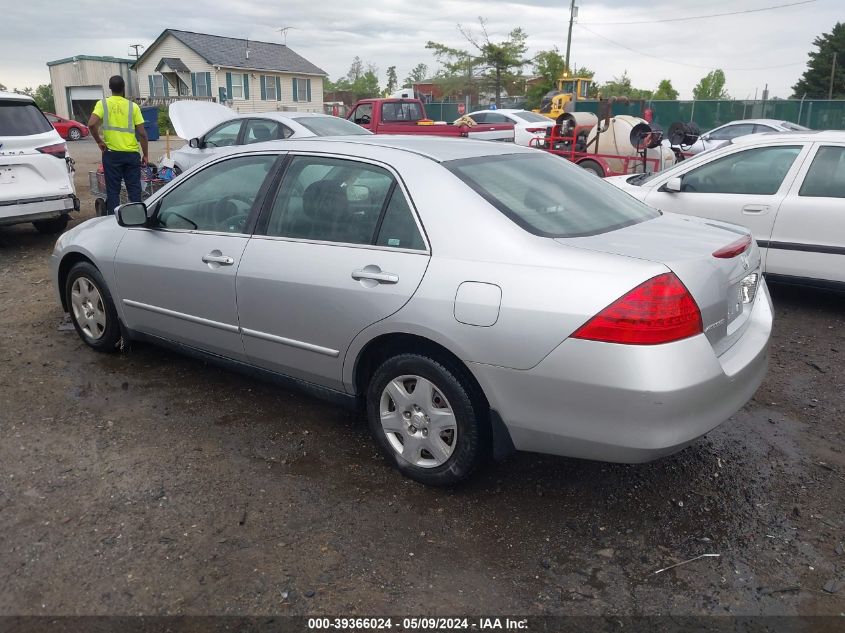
x,y
826,176
52,119
330,200
760,170
763,128
497,118
732,131
398,228
481,117
224,135
363,113
218,198
261,130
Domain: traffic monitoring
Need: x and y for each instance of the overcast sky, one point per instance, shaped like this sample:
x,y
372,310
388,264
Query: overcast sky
x,y
394,32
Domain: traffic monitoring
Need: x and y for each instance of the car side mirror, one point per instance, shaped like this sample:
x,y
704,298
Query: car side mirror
x,y
673,185
195,143
705,137
132,214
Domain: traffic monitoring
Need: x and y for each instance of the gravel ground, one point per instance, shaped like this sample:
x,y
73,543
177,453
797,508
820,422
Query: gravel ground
x,y
148,483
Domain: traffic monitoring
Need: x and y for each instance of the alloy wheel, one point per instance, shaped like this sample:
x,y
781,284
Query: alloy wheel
x,y
89,312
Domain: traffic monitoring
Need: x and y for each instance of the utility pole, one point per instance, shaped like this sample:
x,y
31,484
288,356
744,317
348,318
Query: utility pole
x,y
136,47
572,13
832,71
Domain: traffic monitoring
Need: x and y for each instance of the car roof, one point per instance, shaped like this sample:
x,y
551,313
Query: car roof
x,y
762,121
282,116
501,110
837,136
14,96
432,147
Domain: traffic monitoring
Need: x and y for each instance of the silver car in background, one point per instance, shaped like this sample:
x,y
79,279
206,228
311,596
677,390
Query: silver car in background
x,y
724,134
473,297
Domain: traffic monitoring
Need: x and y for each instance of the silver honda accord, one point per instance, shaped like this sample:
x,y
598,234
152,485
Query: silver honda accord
x,y
473,297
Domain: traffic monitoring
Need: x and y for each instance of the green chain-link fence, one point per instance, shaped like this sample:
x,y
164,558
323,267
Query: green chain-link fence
x,y
817,114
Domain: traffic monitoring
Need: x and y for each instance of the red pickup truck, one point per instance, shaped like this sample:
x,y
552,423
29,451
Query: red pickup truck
x,y
407,116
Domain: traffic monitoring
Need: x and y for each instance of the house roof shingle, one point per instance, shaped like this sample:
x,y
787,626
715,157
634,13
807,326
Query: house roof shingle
x,y
230,52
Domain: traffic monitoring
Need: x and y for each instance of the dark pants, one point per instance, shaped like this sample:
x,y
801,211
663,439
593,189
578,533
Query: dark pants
x,y
125,166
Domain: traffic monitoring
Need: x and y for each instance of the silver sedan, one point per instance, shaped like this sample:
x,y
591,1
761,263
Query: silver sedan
x,y
474,298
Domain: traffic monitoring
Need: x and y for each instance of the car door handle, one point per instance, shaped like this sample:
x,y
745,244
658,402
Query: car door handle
x,y
755,209
223,260
375,273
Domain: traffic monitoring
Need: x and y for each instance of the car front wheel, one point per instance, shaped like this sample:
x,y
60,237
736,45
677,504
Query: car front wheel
x,y
74,134
91,308
428,418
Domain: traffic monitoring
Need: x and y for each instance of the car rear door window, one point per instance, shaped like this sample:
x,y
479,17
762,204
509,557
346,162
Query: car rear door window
x,y
732,131
224,135
480,117
760,171
826,176
330,200
218,198
398,227
261,130
22,118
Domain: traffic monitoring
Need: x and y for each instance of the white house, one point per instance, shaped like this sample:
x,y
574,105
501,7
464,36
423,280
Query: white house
x,y
249,76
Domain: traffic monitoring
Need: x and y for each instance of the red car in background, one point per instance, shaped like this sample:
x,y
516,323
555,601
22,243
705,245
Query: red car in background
x,y
68,129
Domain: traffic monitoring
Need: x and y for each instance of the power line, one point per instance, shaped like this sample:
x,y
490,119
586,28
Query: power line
x,y
702,17
672,61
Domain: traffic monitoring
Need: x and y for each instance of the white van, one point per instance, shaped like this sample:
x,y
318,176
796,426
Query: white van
x,y
36,177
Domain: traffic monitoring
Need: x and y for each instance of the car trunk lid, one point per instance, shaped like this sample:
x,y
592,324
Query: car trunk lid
x,y
192,119
723,287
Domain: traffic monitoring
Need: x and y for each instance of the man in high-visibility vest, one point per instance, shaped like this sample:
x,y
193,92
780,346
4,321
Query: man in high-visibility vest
x,y
123,127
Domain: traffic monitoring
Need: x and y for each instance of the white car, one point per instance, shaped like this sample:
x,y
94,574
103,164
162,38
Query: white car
x,y
526,124
36,179
719,136
211,126
788,188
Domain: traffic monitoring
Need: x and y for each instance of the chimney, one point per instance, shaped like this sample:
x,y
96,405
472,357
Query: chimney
x,y
247,49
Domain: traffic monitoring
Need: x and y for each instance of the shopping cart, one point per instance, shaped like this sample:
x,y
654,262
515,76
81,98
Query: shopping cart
x,y
150,183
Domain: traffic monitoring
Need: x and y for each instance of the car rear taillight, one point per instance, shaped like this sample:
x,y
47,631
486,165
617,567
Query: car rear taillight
x,y
659,310
58,150
734,248
535,130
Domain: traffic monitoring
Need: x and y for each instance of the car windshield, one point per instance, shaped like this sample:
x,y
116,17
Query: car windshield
x,y
22,118
330,126
531,117
549,196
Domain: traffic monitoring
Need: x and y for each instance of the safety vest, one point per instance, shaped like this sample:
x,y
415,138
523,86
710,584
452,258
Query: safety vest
x,y
111,128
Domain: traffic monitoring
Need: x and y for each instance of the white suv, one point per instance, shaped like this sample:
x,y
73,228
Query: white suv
x,y
36,178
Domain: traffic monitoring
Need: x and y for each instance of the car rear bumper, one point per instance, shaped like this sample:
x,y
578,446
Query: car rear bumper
x,y
628,403
15,212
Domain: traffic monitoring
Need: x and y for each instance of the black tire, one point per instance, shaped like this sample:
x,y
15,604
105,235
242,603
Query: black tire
x,y
592,166
472,445
51,226
74,134
109,338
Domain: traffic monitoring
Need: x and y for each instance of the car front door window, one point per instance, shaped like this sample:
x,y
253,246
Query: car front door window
x,y
261,130
758,171
219,198
224,135
731,131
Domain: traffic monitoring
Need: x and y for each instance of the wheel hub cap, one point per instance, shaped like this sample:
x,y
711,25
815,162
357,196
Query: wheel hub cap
x,y
418,421
87,308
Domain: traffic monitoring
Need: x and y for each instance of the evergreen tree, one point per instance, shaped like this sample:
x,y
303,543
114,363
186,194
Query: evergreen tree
x,y
815,83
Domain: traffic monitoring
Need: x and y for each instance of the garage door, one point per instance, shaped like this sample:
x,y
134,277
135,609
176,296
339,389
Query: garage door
x,y
86,93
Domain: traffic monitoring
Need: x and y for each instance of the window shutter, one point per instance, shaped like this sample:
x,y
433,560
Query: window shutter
x,y
152,88
278,89
194,84
308,89
208,83
295,90
164,83
263,88
246,86
228,86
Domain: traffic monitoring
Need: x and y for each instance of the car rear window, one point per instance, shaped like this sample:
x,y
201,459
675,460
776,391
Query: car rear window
x,y
331,126
548,196
22,118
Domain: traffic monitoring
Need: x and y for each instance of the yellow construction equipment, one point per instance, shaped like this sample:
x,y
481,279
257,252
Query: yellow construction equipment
x,y
562,99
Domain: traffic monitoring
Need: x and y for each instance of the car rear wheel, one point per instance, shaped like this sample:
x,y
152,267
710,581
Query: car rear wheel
x,y
427,418
74,134
91,308
51,226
